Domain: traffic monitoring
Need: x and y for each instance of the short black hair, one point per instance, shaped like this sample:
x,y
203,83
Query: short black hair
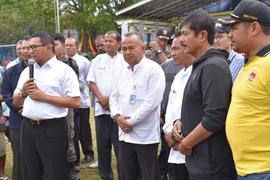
x,y
45,38
26,38
117,34
100,36
139,36
199,21
177,34
266,30
59,37
77,43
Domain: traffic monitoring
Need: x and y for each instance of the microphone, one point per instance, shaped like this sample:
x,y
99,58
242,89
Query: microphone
x,y
31,63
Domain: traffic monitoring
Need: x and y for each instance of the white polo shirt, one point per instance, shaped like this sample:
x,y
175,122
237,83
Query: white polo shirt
x,y
174,107
147,83
84,66
53,78
103,71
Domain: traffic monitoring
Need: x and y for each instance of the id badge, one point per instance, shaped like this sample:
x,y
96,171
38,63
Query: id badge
x,y
132,99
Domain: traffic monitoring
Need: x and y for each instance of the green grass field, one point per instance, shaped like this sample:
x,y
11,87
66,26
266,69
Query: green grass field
x,y
85,173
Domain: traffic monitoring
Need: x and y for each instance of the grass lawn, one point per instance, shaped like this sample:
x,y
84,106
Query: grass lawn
x,y
85,173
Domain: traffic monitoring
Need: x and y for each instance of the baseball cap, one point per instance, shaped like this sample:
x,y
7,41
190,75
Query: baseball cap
x,y
164,33
250,11
222,28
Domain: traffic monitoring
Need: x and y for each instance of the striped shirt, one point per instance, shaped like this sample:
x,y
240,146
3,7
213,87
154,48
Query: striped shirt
x,y
236,63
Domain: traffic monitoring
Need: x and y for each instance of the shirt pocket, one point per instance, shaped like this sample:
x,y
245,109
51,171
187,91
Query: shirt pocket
x,y
141,91
51,87
101,73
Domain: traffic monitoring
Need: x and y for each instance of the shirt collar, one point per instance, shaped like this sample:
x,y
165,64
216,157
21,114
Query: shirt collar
x,y
138,65
74,57
112,57
264,51
51,62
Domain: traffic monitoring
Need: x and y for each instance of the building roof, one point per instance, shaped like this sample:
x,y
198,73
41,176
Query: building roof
x,y
163,9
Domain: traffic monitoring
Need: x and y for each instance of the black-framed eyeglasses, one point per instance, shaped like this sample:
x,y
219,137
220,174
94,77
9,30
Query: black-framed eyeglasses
x,y
34,47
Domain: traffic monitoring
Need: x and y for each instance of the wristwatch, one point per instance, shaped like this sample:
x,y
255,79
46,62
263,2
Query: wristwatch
x,y
21,94
159,51
115,117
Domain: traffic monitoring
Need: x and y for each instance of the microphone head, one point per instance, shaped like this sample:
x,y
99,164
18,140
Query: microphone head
x,y
31,61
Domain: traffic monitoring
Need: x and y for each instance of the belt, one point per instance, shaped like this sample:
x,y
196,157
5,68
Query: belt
x,y
38,122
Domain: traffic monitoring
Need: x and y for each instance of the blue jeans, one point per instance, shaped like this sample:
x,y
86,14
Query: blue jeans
x,y
257,176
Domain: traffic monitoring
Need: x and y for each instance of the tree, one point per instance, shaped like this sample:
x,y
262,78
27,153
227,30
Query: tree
x,y
96,16
23,17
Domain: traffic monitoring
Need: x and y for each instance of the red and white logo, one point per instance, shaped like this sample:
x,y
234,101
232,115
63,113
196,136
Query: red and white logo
x,y
252,75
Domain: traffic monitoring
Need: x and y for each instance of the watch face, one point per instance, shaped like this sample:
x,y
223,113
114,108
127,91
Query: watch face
x,y
159,51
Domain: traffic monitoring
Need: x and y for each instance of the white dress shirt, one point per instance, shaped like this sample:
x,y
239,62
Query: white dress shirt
x,y
147,83
84,66
174,107
103,73
53,78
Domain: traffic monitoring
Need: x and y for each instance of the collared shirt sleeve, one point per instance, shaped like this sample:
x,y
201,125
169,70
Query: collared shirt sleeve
x,y
167,127
214,81
155,89
22,79
114,102
86,67
91,73
71,84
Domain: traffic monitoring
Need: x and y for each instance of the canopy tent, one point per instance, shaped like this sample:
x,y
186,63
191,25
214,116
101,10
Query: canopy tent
x,y
162,9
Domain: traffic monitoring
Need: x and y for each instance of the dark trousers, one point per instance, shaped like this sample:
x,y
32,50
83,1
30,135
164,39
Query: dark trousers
x,y
106,135
139,161
164,166
85,135
76,136
16,150
180,172
44,150
82,133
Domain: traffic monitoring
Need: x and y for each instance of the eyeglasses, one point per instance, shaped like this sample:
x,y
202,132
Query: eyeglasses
x,y
34,47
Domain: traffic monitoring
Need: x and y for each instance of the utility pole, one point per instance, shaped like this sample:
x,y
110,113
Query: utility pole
x,y
57,17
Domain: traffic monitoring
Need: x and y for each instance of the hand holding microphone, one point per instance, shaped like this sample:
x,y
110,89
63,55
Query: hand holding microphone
x,y
29,84
31,88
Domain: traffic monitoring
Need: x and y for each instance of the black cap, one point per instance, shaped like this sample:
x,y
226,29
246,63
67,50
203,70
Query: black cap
x,y
222,28
163,33
250,11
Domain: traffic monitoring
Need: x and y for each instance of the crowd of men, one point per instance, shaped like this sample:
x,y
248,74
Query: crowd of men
x,y
205,97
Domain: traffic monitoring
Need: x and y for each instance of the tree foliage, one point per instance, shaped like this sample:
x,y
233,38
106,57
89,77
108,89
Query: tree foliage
x,y
23,17
20,18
